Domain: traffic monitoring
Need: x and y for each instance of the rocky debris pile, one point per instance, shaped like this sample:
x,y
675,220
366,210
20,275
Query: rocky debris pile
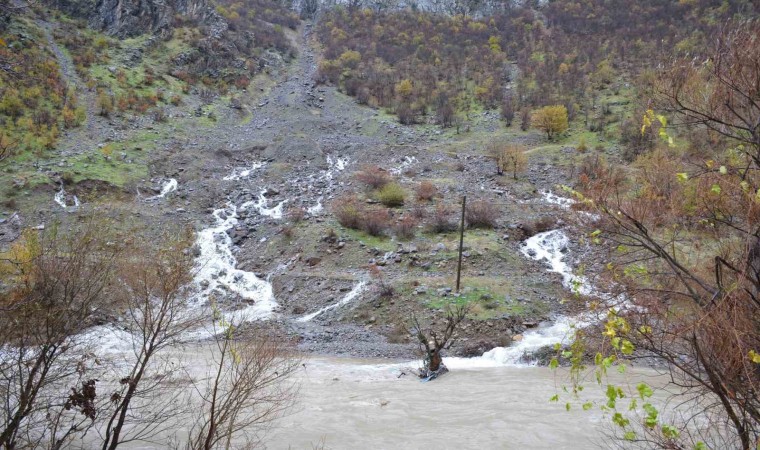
x,y
10,229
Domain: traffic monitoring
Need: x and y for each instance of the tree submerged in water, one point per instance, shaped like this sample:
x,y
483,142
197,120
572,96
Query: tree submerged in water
x,y
432,342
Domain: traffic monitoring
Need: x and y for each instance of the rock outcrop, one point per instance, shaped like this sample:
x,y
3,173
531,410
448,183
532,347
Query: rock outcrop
x,y
127,18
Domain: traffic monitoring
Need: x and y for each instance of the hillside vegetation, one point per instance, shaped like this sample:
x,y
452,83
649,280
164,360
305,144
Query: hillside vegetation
x,y
433,67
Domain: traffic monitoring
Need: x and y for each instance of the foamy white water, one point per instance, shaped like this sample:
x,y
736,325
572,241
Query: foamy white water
x,y
243,172
218,272
554,199
261,205
168,187
348,298
549,247
334,165
406,163
317,208
60,198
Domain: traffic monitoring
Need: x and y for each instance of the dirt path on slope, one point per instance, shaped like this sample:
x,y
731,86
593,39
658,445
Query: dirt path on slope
x,y
88,131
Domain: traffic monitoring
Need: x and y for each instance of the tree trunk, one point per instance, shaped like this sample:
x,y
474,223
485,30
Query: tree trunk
x,y
435,360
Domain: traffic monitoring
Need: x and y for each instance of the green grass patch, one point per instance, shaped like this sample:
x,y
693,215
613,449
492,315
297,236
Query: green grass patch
x,y
382,243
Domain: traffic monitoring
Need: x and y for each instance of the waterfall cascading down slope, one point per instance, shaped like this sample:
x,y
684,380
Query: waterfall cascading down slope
x,y
549,247
168,187
60,198
218,272
337,164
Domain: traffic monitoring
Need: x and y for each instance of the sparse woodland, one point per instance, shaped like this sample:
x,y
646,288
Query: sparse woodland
x,y
666,204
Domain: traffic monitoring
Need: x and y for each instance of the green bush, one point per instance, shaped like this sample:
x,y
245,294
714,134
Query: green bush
x,y
349,212
392,194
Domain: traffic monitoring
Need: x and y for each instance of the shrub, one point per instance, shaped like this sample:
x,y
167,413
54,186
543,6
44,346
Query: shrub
x,y
442,221
508,110
374,177
406,228
525,119
509,158
376,222
287,231
582,146
392,195
406,114
67,177
296,215
481,214
105,104
348,211
426,191
159,115
11,104
538,226
418,211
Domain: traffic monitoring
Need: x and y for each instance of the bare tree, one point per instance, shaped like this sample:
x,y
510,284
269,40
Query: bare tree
x,y
720,93
248,389
432,342
155,295
58,285
687,252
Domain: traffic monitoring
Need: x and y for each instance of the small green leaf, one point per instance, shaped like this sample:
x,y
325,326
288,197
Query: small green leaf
x,y
670,431
619,420
611,396
644,390
651,418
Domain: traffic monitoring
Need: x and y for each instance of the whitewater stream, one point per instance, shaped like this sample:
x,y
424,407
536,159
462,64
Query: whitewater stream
x,y
493,401
62,198
167,188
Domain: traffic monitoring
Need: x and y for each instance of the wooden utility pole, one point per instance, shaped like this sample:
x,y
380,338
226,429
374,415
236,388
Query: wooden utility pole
x,y
461,242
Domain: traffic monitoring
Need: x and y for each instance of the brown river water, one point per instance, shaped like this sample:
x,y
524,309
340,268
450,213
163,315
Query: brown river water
x,y
357,404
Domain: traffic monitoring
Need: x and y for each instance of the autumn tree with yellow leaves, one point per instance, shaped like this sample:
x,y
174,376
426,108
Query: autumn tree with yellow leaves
x,y
552,120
